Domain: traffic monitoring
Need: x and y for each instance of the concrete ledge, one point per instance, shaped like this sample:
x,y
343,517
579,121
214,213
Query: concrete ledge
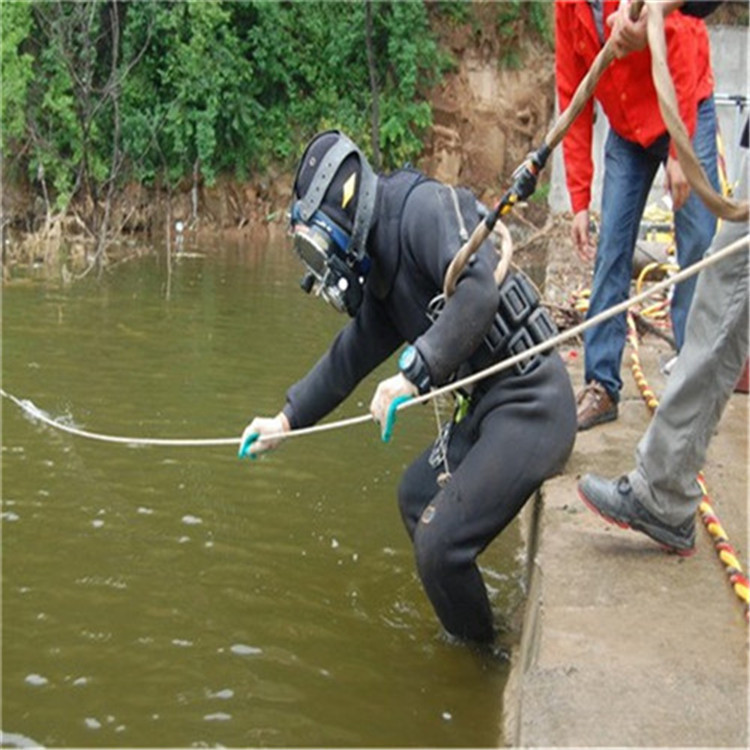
x,y
623,644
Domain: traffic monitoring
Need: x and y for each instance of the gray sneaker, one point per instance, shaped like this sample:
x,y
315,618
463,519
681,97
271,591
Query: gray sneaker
x,y
615,502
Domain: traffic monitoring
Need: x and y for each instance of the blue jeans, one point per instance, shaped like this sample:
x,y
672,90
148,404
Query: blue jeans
x,y
629,171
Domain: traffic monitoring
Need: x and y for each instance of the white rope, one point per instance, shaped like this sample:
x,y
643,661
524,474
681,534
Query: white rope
x,y
610,312
709,260
36,413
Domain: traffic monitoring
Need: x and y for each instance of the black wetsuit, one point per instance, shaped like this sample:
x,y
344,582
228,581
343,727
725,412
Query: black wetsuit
x,y
520,428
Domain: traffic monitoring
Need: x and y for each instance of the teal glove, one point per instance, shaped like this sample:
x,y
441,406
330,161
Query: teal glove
x,y
245,447
390,419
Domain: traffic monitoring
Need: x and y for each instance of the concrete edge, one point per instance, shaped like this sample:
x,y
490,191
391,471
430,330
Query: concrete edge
x,y
524,653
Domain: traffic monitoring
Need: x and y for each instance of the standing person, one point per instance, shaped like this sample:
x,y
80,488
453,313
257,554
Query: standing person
x,y
378,248
661,495
637,144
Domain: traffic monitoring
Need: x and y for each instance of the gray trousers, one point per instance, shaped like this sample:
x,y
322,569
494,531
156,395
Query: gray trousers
x,y
673,449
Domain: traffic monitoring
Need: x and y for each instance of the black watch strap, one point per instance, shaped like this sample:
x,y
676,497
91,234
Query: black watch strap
x,y
414,368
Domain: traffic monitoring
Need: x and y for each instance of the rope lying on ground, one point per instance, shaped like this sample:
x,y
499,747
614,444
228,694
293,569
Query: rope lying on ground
x,y
724,548
36,413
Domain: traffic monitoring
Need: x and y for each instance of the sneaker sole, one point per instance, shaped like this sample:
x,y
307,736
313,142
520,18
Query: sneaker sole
x,y
681,552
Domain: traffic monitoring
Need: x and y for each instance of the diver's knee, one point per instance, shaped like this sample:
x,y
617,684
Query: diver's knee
x,y
434,553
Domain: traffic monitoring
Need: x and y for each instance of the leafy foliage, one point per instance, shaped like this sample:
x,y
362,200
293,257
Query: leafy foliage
x,y
98,90
457,10
15,22
186,104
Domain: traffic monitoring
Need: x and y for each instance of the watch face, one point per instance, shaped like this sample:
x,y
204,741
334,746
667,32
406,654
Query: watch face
x,y
407,358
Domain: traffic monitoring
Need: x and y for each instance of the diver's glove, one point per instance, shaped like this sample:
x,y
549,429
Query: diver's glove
x,y
390,392
253,442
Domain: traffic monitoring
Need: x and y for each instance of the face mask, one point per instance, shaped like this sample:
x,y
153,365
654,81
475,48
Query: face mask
x,y
332,273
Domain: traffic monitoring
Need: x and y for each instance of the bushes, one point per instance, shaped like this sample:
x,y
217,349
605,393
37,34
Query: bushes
x,y
98,93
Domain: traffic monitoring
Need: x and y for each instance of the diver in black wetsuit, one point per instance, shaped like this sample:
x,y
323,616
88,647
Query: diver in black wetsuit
x,y
378,247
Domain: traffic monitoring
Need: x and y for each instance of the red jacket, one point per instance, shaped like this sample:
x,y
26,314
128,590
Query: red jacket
x,y
625,91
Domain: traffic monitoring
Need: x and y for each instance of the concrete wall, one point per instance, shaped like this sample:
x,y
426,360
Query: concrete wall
x,y
729,59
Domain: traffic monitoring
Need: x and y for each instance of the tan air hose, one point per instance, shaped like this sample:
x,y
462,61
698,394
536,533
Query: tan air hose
x,y
719,205
525,176
506,252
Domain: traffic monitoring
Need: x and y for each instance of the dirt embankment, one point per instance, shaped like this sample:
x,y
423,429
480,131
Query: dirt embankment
x,y
486,119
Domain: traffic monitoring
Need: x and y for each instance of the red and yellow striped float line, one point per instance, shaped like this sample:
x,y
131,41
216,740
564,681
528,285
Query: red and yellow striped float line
x,y
635,365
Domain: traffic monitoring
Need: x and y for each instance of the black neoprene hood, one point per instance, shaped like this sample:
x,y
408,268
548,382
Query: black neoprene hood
x,y
334,176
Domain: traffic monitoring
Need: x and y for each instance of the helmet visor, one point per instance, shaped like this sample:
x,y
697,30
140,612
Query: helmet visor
x,y
322,245
312,245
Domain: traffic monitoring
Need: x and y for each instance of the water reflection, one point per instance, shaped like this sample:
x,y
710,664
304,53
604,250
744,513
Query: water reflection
x,y
180,597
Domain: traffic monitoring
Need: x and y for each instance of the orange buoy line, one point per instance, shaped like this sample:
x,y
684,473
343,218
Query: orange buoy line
x,y
635,365
724,548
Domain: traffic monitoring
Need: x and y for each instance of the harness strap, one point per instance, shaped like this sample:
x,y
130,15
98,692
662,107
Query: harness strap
x,y
325,172
368,183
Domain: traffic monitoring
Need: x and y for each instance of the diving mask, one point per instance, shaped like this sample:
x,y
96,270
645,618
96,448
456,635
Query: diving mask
x,y
332,273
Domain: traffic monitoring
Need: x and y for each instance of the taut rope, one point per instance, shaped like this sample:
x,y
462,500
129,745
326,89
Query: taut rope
x,y
495,369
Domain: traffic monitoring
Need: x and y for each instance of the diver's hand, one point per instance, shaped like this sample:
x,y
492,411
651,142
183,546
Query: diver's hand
x,y
253,443
386,392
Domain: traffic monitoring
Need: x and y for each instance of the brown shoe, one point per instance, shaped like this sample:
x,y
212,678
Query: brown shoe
x,y
595,406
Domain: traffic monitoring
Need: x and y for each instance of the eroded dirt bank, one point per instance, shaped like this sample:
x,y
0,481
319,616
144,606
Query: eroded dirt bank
x,y
486,119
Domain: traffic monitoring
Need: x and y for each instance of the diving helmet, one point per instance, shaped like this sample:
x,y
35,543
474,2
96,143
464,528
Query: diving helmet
x,y
330,217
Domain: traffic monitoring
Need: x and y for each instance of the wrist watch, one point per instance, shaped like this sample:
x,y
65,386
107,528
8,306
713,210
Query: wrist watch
x,y
414,368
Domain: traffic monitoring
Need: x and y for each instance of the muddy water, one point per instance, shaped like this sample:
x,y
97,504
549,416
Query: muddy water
x,y
175,597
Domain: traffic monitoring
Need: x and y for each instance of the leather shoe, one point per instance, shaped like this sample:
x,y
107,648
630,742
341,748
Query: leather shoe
x,y
595,406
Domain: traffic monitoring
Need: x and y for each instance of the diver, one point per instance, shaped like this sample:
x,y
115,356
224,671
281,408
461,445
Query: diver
x,y
377,247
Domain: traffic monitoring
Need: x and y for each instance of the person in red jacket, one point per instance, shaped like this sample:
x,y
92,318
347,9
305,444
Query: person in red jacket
x,y
637,145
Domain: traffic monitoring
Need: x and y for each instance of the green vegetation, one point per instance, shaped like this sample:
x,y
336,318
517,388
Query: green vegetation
x,y
97,94
98,91
458,11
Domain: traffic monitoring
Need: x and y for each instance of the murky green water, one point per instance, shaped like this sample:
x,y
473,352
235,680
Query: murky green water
x,y
170,597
